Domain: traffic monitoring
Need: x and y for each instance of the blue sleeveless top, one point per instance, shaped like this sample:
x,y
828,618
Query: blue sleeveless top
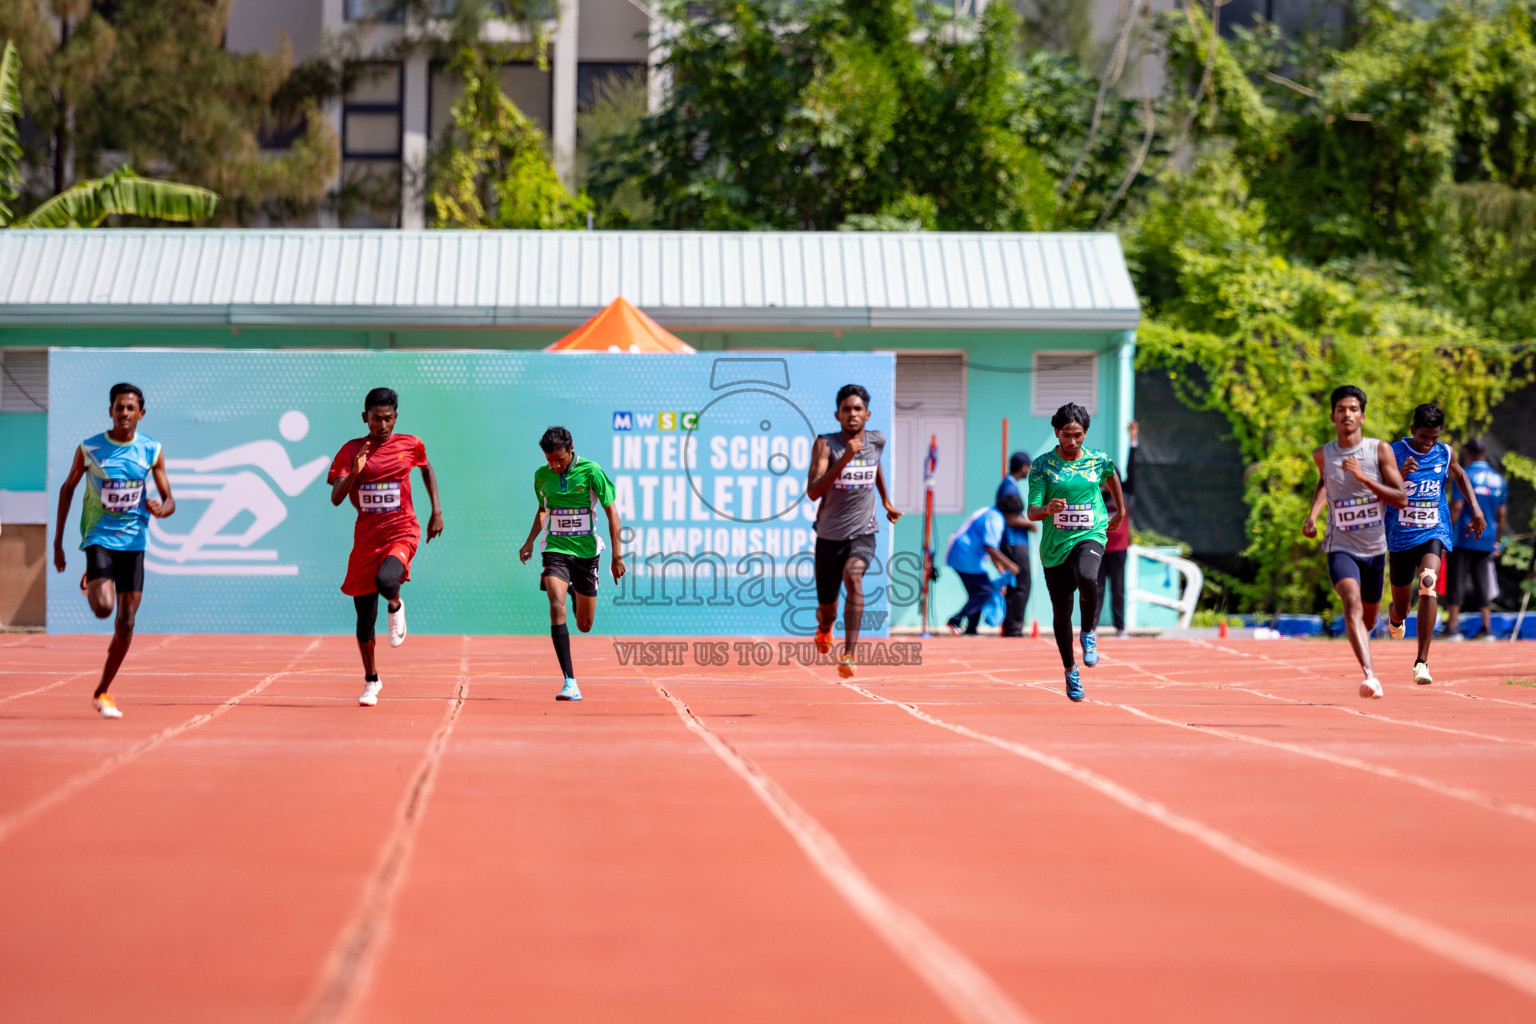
x,y
1428,515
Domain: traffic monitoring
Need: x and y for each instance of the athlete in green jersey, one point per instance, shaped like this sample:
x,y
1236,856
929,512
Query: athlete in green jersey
x,y
1064,498
570,491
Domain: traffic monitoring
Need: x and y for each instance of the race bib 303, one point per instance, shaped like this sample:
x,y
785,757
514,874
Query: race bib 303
x,y
1076,516
1357,513
379,497
570,522
122,495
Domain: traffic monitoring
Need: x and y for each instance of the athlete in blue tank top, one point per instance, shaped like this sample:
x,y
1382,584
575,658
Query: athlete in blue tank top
x,y
114,522
1419,534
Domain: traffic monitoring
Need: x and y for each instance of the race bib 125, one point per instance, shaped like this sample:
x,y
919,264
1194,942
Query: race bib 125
x,y
379,497
570,522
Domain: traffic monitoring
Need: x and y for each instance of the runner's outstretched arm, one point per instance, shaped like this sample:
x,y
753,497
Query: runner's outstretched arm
x,y
435,521
341,487
1464,486
539,518
1113,483
167,504
1391,489
1319,497
616,560
822,476
885,499
66,498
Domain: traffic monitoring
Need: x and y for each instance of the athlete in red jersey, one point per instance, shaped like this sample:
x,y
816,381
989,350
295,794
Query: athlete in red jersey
x,y
375,472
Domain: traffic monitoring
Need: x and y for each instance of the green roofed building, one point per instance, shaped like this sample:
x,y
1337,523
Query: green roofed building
x,y
984,327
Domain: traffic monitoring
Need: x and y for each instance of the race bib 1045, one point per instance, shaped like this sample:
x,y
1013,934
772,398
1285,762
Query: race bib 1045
x,y
1420,515
856,478
570,522
1357,513
122,495
379,497
1076,516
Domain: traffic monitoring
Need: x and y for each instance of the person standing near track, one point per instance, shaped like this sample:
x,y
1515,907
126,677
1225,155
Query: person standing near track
x,y
845,476
1064,498
1418,536
1118,544
1357,475
1016,531
570,490
375,473
1473,569
114,523
979,538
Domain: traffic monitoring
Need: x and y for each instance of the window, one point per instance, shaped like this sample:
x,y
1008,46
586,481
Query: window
x,y
1062,377
529,88
23,380
370,127
592,77
930,406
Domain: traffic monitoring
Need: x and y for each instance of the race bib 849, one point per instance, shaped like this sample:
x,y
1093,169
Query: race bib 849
x,y
122,495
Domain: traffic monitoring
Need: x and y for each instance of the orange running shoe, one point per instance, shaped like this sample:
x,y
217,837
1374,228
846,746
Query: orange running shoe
x,y
107,706
823,640
845,667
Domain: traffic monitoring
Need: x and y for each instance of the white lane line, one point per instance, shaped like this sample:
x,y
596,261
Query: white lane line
x,y
88,672
1513,970
1479,696
973,996
349,968
90,776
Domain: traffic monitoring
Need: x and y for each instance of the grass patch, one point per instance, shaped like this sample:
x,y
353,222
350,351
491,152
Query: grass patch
x,y
1520,682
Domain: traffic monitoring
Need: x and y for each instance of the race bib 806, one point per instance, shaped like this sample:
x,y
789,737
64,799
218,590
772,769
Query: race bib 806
x,y
570,522
122,495
379,497
1076,516
1357,513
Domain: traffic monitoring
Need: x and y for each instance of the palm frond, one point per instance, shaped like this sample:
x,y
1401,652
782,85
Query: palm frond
x,y
10,141
87,203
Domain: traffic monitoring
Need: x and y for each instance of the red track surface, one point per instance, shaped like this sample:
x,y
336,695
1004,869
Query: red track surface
x,y
954,841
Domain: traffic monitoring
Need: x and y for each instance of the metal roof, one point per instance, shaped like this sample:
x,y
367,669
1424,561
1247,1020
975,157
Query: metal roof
x,y
560,278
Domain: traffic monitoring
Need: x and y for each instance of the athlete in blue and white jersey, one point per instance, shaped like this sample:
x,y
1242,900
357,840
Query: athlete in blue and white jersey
x,y
114,522
1419,534
1474,571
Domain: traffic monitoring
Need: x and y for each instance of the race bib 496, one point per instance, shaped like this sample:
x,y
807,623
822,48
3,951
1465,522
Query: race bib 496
x,y
122,495
856,478
570,522
1357,513
379,497
1076,516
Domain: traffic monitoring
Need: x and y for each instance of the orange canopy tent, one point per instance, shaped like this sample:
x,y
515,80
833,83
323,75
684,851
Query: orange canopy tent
x,y
620,328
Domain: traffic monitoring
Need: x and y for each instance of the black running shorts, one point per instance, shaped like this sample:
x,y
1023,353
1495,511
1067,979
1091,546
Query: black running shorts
x,y
124,568
833,556
1474,582
580,574
1403,566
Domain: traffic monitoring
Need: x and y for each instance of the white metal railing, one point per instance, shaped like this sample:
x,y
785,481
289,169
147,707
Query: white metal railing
x,y
1189,595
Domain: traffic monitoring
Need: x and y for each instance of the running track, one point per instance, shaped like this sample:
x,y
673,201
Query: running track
x,y
1225,832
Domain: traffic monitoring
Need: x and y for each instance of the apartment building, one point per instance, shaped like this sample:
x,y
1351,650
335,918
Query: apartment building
x,y
391,116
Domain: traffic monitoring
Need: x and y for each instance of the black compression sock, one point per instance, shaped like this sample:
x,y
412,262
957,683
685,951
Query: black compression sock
x,y
371,679
562,638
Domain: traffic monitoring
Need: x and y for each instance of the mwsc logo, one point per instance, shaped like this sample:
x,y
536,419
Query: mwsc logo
x,y
655,420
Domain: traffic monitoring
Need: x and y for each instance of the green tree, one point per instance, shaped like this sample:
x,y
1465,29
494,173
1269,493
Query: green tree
x,y
86,203
491,171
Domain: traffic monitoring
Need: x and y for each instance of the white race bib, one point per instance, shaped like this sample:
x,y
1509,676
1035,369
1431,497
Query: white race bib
x,y
1357,513
1420,515
856,478
1076,516
122,495
379,497
570,522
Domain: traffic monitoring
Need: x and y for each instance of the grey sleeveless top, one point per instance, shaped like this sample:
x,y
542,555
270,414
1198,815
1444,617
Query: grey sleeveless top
x,y
1356,515
848,509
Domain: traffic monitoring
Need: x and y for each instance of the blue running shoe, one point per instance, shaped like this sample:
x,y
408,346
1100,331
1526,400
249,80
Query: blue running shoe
x,y
570,691
1090,649
1074,684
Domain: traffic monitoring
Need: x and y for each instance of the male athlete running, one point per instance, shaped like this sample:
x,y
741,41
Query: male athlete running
x,y
845,476
1419,535
114,522
375,472
1357,475
570,490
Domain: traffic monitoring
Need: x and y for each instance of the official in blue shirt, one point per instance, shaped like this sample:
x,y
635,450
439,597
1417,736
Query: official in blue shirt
x,y
969,548
1016,531
1474,562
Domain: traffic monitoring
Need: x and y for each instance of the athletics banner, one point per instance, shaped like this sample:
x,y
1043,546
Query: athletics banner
x,y
708,454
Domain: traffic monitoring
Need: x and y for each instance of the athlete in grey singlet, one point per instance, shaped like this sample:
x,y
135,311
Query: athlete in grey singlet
x,y
1356,514
848,509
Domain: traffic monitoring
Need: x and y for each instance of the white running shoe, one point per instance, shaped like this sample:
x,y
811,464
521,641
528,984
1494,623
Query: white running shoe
x,y
1486,637
107,706
1370,687
1395,630
397,625
370,695
1421,674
